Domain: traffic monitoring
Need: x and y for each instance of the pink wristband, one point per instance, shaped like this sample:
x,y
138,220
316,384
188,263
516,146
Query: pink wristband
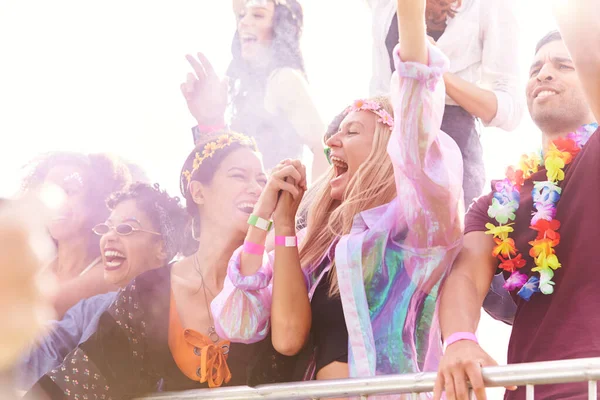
x,y
253,248
457,336
286,241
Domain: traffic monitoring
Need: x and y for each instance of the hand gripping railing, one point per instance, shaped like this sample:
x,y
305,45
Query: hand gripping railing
x,y
529,375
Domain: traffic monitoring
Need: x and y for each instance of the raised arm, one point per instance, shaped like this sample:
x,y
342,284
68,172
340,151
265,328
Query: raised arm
x,y
579,27
428,163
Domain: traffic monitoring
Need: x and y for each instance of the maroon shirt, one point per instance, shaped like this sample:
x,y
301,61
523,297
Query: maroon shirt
x,y
565,324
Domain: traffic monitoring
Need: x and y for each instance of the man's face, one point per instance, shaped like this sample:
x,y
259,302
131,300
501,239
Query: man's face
x,y
554,95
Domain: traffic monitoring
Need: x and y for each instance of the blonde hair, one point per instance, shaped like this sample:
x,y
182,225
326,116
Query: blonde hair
x,y
372,185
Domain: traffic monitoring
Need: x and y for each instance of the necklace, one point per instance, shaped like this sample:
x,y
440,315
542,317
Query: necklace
x,y
212,333
546,195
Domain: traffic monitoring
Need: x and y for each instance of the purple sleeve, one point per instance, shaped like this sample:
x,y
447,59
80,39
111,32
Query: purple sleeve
x,y
242,310
477,215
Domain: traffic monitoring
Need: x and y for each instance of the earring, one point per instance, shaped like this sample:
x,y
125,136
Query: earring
x,y
194,236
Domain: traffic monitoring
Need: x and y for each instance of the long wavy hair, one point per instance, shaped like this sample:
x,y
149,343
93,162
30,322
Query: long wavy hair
x,y
438,11
372,185
246,82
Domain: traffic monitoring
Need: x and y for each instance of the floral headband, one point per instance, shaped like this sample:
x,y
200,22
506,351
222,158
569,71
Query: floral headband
x,y
376,108
210,148
367,105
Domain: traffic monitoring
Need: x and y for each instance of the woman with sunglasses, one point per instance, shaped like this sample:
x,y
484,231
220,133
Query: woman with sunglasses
x,y
133,240
86,180
159,334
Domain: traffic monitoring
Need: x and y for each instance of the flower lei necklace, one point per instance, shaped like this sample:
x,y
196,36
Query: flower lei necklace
x,y
546,194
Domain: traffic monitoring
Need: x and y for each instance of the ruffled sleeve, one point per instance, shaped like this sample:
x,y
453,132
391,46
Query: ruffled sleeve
x,y
427,162
242,310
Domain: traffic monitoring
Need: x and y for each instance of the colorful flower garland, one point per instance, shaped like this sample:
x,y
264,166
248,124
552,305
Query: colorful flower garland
x,y
546,194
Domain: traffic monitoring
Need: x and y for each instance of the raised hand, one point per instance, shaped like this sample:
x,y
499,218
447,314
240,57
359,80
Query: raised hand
x,y
204,92
283,179
287,206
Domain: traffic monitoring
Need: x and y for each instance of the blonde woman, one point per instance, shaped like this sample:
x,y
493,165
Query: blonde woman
x,y
382,230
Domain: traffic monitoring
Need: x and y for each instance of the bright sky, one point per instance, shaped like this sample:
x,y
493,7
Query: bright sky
x,y
97,76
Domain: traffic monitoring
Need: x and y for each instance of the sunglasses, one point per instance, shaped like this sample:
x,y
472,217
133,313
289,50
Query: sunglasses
x,y
121,229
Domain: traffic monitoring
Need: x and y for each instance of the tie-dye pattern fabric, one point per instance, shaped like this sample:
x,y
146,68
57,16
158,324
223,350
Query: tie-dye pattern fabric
x,y
391,314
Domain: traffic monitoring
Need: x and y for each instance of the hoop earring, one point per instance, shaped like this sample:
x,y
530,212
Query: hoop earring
x,y
194,236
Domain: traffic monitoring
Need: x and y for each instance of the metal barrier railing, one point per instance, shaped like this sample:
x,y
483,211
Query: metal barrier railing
x,y
529,375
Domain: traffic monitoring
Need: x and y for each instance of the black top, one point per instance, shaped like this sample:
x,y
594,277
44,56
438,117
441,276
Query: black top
x,y
129,354
330,335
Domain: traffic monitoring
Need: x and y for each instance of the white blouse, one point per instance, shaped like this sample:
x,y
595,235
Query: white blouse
x,y
481,42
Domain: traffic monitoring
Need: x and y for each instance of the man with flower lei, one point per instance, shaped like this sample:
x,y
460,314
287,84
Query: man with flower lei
x,y
539,226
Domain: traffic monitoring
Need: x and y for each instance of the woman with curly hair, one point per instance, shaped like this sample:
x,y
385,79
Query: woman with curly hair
x,y
144,231
159,335
267,92
86,180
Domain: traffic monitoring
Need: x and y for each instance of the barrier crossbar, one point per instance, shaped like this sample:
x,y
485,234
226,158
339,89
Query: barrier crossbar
x,y
529,375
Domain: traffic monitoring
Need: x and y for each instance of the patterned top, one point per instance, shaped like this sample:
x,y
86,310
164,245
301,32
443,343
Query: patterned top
x,y
76,327
129,356
413,240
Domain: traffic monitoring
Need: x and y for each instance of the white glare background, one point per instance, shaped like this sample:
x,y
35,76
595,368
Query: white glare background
x,y
96,76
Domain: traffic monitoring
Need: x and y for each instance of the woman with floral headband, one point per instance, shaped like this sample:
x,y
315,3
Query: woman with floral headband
x,y
267,94
159,334
381,233
86,181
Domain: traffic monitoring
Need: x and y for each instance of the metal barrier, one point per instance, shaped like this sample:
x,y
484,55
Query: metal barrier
x,y
529,375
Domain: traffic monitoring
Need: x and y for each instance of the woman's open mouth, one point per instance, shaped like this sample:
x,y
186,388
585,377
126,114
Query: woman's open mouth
x,y
340,166
113,259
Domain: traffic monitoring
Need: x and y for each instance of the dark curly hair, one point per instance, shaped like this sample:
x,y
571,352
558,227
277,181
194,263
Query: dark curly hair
x,y
247,83
165,212
103,174
206,171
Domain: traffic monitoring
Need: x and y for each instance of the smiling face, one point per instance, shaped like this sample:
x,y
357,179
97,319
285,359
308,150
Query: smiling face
x,y
125,257
350,147
555,98
72,218
255,29
229,198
